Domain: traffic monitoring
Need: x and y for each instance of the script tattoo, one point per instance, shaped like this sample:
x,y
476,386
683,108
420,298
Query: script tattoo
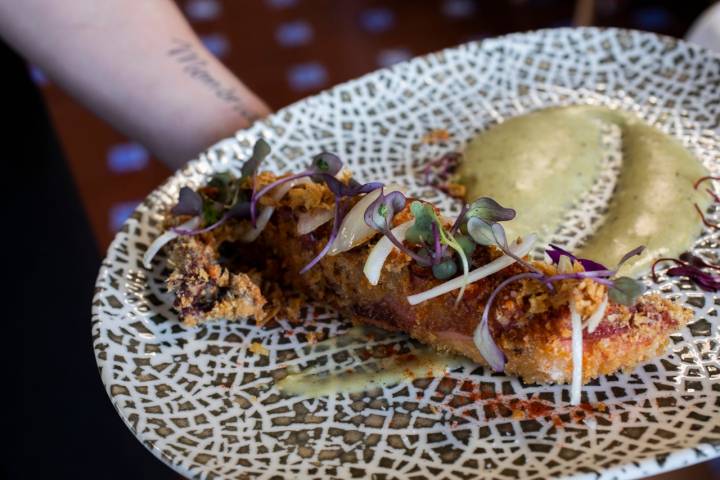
x,y
196,67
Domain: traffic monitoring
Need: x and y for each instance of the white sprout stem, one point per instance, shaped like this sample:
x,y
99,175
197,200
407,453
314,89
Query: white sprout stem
x,y
310,221
577,355
262,220
260,223
168,236
482,337
452,243
597,316
466,272
353,230
520,249
381,251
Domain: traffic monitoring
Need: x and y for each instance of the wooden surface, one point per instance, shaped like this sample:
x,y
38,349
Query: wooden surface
x,y
288,49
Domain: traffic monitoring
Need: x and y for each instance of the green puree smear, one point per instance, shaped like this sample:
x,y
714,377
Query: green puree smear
x,y
544,162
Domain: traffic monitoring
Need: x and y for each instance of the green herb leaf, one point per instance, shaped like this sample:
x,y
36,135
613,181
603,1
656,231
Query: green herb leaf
x,y
626,290
499,234
421,231
445,269
189,203
211,212
485,208
412,235
381,211
325,163
467,243
481,231
261,149
226,187
240,210
635,251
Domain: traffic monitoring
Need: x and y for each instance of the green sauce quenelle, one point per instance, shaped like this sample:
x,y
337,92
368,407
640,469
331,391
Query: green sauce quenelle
x,y
544,162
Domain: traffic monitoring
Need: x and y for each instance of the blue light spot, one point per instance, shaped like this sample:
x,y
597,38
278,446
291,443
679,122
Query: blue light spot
x,y
127,157
217,43
38,76
280,3
377,20
203,10
458,8
307,76
121,212
652,18
293,34
391,56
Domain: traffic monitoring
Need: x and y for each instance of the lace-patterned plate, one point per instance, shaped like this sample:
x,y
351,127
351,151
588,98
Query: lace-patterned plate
x,y
205,404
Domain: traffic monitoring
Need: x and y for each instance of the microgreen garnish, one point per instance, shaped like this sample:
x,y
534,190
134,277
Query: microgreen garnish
x,y
487,209
338,214
704,280
379,216
483,336
214,216
261,150
625,290
380,213
429,232
704,219
189,203
445,269
483,225
326,171
691,266
222,187
421,231
326,163
448,239
215,204
704,179
622,290
323,165
632,253
714,196
555,252
351,189
222,198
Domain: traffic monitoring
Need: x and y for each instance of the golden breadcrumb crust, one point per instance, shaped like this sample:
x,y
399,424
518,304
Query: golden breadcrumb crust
x,y
530,324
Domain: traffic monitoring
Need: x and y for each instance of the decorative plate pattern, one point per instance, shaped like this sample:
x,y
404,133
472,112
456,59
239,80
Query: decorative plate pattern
x,y
205,404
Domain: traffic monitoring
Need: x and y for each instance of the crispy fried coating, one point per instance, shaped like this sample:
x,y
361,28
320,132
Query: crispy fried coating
x,y
204,290
530,324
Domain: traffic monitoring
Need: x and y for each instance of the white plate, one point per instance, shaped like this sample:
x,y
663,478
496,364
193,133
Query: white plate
x,y
208,407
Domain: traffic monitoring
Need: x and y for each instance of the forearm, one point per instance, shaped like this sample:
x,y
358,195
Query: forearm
x,y
138,65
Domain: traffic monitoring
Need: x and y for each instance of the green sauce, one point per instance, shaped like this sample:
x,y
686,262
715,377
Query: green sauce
x,y
543,163
362,374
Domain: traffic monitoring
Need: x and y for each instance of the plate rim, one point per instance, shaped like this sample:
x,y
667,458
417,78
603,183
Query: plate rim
x,y
635,469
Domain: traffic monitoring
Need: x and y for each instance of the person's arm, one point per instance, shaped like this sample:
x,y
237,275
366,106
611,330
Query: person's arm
x,y
138,65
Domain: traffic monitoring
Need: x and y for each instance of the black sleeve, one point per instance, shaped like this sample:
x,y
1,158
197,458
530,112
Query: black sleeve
x,y
66,425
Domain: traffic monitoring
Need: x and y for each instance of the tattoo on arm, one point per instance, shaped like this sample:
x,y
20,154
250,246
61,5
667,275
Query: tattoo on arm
x,y
196,67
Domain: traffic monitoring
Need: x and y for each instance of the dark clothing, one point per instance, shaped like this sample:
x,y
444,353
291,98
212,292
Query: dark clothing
x,y
68,426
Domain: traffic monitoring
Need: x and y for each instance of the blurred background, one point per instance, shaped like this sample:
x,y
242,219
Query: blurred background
x,y
285,50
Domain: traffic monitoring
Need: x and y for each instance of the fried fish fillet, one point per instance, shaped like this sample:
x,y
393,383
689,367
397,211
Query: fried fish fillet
x,y
530,325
